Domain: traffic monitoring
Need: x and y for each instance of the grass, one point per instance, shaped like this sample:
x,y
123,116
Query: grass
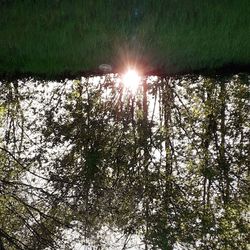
x,y
53,38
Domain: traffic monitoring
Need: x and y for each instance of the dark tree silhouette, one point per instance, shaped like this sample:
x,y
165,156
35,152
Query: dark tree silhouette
x,y
85,157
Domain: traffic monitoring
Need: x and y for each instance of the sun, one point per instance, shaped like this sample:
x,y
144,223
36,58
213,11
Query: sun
x,y
131,80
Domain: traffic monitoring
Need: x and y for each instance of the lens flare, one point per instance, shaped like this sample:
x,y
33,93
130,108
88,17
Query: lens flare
x,y
131,80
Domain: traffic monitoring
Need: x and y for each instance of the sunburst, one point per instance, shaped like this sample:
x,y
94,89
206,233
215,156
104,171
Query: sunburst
x,y
131,79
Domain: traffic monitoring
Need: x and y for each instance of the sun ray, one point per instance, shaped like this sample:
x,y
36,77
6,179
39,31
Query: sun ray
x,y
131,80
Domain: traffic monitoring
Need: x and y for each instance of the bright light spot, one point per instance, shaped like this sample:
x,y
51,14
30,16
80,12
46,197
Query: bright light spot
x,y
131,80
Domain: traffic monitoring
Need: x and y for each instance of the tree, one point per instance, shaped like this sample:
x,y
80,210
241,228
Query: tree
x,y
169,164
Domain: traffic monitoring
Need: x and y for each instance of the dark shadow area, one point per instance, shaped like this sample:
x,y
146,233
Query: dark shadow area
x,y
59,39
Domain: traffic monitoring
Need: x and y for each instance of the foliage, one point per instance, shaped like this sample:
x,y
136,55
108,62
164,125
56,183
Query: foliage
x,y
169,164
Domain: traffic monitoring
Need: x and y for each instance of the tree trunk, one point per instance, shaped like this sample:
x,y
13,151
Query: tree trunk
x,y
1,244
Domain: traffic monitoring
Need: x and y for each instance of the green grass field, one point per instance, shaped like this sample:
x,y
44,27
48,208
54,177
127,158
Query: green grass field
x,y
54,38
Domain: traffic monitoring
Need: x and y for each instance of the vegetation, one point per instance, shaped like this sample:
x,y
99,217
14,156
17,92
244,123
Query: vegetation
x,y
68,38
169,164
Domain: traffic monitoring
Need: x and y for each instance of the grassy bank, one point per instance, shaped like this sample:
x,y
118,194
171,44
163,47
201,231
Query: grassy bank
x,y
56,37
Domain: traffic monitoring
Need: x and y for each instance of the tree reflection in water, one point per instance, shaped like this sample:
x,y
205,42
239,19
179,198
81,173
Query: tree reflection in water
x,y
87,162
